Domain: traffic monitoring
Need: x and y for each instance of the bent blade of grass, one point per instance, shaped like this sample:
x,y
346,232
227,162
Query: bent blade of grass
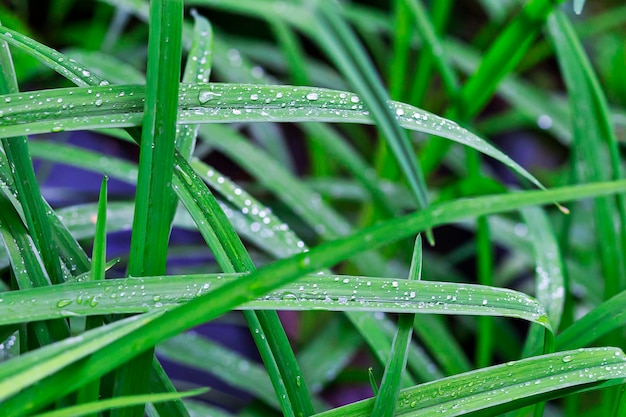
x,y
318,292
280,273
27,267
29,195
336,38
389,391
185,178
108,404
32,367
121,106
505,387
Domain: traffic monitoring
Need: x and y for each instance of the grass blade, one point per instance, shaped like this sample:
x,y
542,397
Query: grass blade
x,y
387,396
527,381
282,272
113,403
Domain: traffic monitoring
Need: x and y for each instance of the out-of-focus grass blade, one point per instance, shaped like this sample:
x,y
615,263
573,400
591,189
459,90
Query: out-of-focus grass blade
x,y
549,279
280,273
193,350
608,316
32,367
433,45
102,405
386,398
505,387
319,292
594,145
578,6
107,66
335,37
323,357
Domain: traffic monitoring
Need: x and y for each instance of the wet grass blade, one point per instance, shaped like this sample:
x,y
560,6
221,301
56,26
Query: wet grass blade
x,y
324,292
153,199
282,272
526,381
25,181
336,37
29,368
389,391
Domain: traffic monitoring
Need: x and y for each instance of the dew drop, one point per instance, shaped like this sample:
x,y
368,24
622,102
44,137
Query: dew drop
x,y
63,303
312,96
206,96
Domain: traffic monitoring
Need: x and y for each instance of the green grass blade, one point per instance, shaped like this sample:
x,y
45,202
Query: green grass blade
x,y
595,142
91,392
284,271
153,207
550,286
32,367
325,292
27,267
103,405
201,353
335,36
504,54
389,391
433,46
25,181
526,381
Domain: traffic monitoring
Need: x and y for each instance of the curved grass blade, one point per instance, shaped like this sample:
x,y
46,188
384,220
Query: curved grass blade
x,y
27,267
103,405
409,117
281,273
505,387
336,38
24,370
387,396
314,292
185,179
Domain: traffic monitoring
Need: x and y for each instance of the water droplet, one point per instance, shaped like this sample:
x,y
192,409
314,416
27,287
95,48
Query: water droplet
x,y
298,380
63,303
98,102
206,96
544,122
312,96
355,99
567,358
254,97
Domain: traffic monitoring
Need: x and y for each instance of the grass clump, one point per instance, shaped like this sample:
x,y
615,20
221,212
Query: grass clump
x,y
295,151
